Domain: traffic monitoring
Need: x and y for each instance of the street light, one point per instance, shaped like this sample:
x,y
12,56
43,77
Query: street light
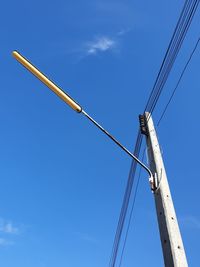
x,y
73,104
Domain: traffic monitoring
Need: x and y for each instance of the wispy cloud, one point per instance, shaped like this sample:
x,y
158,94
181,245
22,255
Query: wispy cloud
x,y
190,221
122,32
4,242
116,12
101,44
86,237
7,227
7,231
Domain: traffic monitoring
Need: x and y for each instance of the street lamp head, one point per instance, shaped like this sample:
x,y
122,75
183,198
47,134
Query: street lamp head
x,y
58,91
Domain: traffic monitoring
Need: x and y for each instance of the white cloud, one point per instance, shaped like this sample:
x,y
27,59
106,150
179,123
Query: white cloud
x,y
5,242
190,222
101,44
7,227
8,230
86,237
122,32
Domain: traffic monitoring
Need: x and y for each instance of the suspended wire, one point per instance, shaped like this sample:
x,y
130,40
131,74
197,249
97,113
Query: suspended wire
x,y
131,212
149,102
125,204
169,59
179,80
162,71
174,46
165,78
171,55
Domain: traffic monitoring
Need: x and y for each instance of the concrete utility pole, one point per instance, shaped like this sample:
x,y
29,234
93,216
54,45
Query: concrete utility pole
x,y
172,244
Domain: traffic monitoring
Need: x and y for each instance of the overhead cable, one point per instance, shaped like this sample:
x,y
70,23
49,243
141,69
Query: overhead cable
x,y
172,52
131,212
174,46
125,204
179,80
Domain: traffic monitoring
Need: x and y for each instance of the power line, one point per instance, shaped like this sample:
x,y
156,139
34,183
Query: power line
x,y
178,36
180,21
175,53
172,52
125,204
131,213
179,80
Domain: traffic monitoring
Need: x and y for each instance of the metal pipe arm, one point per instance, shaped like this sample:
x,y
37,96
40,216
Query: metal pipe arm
x,y
118,143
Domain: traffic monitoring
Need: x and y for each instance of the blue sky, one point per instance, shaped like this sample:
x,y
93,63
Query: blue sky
x,y
62,181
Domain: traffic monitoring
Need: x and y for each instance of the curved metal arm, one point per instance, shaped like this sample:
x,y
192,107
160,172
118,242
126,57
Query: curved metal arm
x,y
119,144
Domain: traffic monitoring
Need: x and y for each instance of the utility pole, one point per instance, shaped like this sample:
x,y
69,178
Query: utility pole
x,y
171,240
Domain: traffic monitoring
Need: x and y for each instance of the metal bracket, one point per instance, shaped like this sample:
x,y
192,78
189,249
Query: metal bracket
x,y
153,180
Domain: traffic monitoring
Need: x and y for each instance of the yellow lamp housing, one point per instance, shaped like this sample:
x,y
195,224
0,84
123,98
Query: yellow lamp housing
x,y
59,92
